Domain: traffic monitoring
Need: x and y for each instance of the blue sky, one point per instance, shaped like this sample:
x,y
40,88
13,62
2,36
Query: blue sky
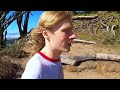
x,y
12,30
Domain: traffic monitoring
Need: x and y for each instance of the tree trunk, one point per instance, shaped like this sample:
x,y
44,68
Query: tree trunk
x,y
23,28
83,41
19,21
1,38
26,23
2,20
75,60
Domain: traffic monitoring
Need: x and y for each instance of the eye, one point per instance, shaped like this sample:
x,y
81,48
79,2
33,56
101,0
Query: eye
x,y
68,32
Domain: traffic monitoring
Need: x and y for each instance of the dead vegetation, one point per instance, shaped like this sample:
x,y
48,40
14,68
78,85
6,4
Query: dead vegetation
x,y
9,68
10,58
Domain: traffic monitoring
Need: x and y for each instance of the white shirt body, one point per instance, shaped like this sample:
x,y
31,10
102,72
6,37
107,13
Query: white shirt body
x,y
40,67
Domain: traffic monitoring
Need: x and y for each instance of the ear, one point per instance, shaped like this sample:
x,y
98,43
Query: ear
x,y
45,33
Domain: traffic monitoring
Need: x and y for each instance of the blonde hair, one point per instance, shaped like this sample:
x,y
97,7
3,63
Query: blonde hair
x,y
47,20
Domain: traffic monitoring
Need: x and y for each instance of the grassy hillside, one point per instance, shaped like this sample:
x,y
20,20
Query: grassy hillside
x,y
92,29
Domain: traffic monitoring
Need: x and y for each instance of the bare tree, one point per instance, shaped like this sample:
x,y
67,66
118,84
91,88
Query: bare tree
x,y
2,28
108,28
4,23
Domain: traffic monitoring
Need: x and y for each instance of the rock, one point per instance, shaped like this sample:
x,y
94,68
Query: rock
x,y
71,68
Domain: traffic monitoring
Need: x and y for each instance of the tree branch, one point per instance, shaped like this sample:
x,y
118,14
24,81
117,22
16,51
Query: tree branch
x,y
107,27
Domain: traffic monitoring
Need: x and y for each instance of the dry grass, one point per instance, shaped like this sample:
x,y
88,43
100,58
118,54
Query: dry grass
x,y
10,65
8,68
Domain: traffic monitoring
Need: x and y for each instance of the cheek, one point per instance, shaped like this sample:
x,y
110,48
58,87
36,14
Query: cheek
x,y
60,37
58,40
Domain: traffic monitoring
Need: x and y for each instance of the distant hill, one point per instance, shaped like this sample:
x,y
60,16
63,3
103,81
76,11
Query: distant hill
x,y
10,41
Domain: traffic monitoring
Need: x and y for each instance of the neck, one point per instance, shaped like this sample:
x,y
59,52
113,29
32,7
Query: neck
x,y
51,53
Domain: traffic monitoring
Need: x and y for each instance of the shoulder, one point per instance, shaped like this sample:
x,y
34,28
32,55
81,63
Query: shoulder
x,y
34,61
33,68
36,58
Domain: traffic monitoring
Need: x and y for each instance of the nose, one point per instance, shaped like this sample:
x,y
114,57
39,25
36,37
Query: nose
x,y
73,36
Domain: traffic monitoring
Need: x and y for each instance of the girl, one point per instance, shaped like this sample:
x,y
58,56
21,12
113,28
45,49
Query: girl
x,y
53,36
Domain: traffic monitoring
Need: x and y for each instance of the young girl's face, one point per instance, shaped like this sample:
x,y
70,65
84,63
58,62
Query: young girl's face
x,y
62,36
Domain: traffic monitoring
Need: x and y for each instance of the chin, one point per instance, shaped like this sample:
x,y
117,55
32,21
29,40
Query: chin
x,y
66,50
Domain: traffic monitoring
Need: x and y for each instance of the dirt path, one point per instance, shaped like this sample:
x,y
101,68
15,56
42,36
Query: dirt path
x,y
104,69
87,74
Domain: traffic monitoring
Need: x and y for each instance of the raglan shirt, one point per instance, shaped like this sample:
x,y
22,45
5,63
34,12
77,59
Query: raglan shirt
x,y
42,67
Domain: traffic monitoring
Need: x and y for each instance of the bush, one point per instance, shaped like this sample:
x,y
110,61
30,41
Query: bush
x,y
14,51
8,69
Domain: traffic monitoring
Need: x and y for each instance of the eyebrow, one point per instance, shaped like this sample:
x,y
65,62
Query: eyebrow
x,y
70,28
